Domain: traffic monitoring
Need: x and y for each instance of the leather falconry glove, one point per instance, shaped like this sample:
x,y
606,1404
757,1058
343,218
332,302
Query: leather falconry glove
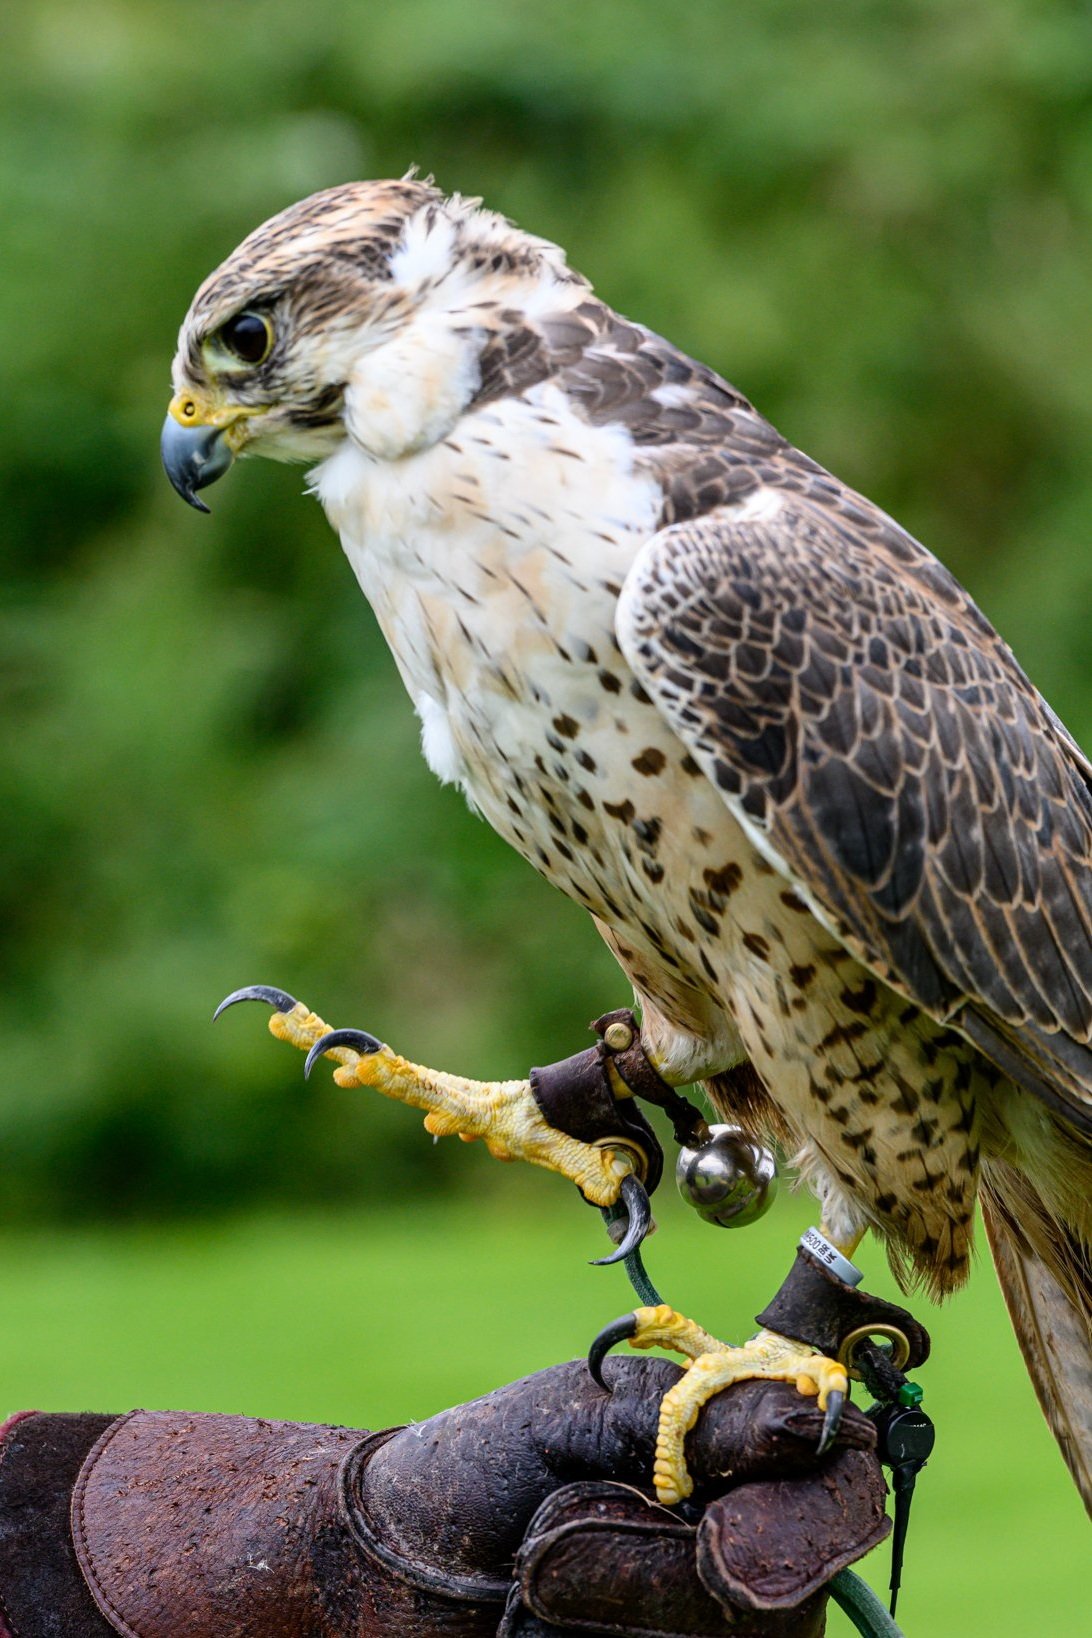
x,y
524,1514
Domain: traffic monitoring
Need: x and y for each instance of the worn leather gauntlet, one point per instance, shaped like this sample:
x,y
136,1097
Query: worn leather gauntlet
x,y
524,1513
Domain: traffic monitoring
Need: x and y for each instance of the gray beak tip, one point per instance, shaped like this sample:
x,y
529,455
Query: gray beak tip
x,y
193,457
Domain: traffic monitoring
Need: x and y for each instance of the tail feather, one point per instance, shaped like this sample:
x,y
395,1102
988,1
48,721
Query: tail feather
x,y
1045,1272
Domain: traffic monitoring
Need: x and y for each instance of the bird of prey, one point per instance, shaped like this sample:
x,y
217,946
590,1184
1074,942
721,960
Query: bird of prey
x,y
817,811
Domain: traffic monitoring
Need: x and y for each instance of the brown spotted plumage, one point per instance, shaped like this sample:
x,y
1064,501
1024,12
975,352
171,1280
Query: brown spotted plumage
x,y
825,823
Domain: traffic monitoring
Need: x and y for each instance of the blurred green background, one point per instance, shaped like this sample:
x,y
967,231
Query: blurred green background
x,y
875,219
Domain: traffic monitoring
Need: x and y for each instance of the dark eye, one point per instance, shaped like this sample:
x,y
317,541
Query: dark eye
x,y
247,336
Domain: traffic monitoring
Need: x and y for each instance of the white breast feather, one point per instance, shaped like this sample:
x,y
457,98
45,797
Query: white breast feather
x,y
489,558
438,743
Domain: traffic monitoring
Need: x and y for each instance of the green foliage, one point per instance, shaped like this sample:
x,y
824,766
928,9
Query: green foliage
x,y
872,217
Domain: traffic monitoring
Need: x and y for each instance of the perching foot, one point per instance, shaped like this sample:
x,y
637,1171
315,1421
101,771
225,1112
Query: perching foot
x,y
713,1366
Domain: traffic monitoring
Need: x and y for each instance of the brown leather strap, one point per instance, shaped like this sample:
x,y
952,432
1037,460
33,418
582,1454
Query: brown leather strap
x,y
816,1307
621,1035
576,1097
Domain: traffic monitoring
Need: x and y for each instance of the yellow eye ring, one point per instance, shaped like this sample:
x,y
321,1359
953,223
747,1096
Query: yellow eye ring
x,y
248,337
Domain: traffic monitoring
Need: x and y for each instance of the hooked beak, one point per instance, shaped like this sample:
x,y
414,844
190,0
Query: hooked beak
x,y
194,457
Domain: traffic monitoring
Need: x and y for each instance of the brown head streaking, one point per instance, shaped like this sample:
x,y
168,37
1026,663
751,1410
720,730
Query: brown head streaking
x,y
818,812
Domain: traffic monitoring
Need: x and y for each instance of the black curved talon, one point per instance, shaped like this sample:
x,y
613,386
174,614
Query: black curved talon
x,y
619,1330
358,1039
832,1421
634,1197
279,1000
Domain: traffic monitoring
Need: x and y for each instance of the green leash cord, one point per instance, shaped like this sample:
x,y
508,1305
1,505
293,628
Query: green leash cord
x,y
849,1592
634,1267
864,1609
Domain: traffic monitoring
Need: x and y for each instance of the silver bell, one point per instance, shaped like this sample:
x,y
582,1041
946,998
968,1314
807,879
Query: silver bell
x,y
729,1179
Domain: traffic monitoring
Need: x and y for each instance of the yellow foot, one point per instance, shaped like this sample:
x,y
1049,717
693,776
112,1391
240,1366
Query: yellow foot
x,y
713,1366
503,1114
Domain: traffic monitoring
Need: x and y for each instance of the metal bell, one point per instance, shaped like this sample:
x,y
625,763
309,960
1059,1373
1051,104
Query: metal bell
x,y
729,1179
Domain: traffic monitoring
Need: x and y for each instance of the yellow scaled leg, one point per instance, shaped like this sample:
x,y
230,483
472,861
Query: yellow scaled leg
x,y
503,1114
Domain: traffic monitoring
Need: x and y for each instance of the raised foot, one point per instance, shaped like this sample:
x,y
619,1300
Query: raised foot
x,y
503,1114
711,1367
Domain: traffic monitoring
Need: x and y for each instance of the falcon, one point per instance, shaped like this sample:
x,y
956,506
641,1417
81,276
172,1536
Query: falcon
x,y
819,814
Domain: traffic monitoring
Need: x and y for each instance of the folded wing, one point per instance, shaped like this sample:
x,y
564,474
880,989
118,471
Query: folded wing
x,y
879,742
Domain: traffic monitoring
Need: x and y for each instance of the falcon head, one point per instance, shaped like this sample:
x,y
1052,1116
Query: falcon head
x,y
362,311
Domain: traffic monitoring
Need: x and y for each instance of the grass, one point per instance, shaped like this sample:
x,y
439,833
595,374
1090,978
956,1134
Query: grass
x,y
369,1318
